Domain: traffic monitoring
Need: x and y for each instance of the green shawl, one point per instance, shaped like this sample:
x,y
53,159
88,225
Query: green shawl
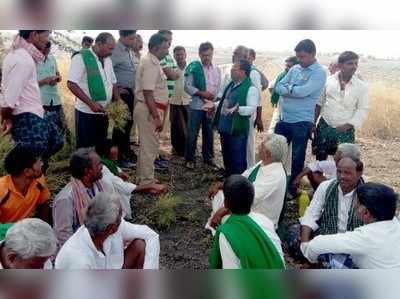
x,y
275,96
4,227
240,124
110,165
196,70
249,243
253,175
95,81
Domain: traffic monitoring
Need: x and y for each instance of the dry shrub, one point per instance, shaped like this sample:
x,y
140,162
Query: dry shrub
x,y
118,114
6,145
383,118
164,212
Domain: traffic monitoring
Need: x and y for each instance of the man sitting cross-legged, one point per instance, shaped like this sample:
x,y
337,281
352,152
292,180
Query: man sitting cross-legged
x,y
332,208
70,204
100,243
268,178
244,239
376,245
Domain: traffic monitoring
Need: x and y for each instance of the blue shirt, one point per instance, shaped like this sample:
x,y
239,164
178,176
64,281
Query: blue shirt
x,y
300,91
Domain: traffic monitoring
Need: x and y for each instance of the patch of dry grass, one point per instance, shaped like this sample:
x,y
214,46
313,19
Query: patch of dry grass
x,y
6,145
383,118
163,214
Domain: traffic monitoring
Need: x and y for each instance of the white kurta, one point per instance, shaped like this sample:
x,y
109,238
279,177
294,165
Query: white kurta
x,y
251,139
80,253
372,246
269,187
123,188
229,259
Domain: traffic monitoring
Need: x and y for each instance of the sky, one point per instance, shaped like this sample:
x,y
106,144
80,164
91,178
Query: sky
x,y
379,43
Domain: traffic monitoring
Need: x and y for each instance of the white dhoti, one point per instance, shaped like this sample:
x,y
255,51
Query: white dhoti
x,y
251,140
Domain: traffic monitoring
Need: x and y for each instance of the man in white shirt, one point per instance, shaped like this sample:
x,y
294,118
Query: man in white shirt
x,y
343,106
268,178
332,209
238,103
244,240
29,244
100,243
376,245
319,171
91,123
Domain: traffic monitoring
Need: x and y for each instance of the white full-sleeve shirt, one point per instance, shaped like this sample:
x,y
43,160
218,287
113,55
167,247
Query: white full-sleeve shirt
x,y
372,246
229,258
269,192
314,211
327,167
349,106
80,253
124,189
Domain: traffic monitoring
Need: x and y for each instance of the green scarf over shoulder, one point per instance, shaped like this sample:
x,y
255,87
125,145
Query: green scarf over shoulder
x,y
275,96
196,70
4,227
95,81
110,165
240,124
249,243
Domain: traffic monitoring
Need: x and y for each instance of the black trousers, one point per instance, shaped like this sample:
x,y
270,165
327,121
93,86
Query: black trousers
x,y
122,137
179,120
90,129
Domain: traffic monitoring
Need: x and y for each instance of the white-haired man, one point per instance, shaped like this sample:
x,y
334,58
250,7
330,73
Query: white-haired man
x,y
101,242
29,244
320,171
269,180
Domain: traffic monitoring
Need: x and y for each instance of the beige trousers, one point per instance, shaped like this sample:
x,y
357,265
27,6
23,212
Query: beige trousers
x,y
149,144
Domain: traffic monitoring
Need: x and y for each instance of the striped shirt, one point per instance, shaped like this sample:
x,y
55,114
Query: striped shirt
x,y
169,62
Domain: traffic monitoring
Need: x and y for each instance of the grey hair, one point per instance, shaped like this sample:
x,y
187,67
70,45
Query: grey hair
x,y
277,146
104,38
102,211
244,50
80,161
349,150
30,238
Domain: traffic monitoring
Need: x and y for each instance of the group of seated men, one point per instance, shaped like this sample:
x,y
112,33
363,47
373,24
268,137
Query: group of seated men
x,y
349,223
89,230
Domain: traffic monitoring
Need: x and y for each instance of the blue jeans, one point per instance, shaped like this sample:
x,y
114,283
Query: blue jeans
x,y
234,153
199,118
297,134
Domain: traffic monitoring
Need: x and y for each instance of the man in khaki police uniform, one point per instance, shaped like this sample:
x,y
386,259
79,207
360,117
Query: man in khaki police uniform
x,y
152,95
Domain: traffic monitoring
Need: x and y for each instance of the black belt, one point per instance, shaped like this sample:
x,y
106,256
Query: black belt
x,y
52,108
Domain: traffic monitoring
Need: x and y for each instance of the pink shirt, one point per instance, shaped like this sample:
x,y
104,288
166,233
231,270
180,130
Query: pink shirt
x,y
212,79
20,85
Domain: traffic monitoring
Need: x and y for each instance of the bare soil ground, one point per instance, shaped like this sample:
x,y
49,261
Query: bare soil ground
x,y
185,243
